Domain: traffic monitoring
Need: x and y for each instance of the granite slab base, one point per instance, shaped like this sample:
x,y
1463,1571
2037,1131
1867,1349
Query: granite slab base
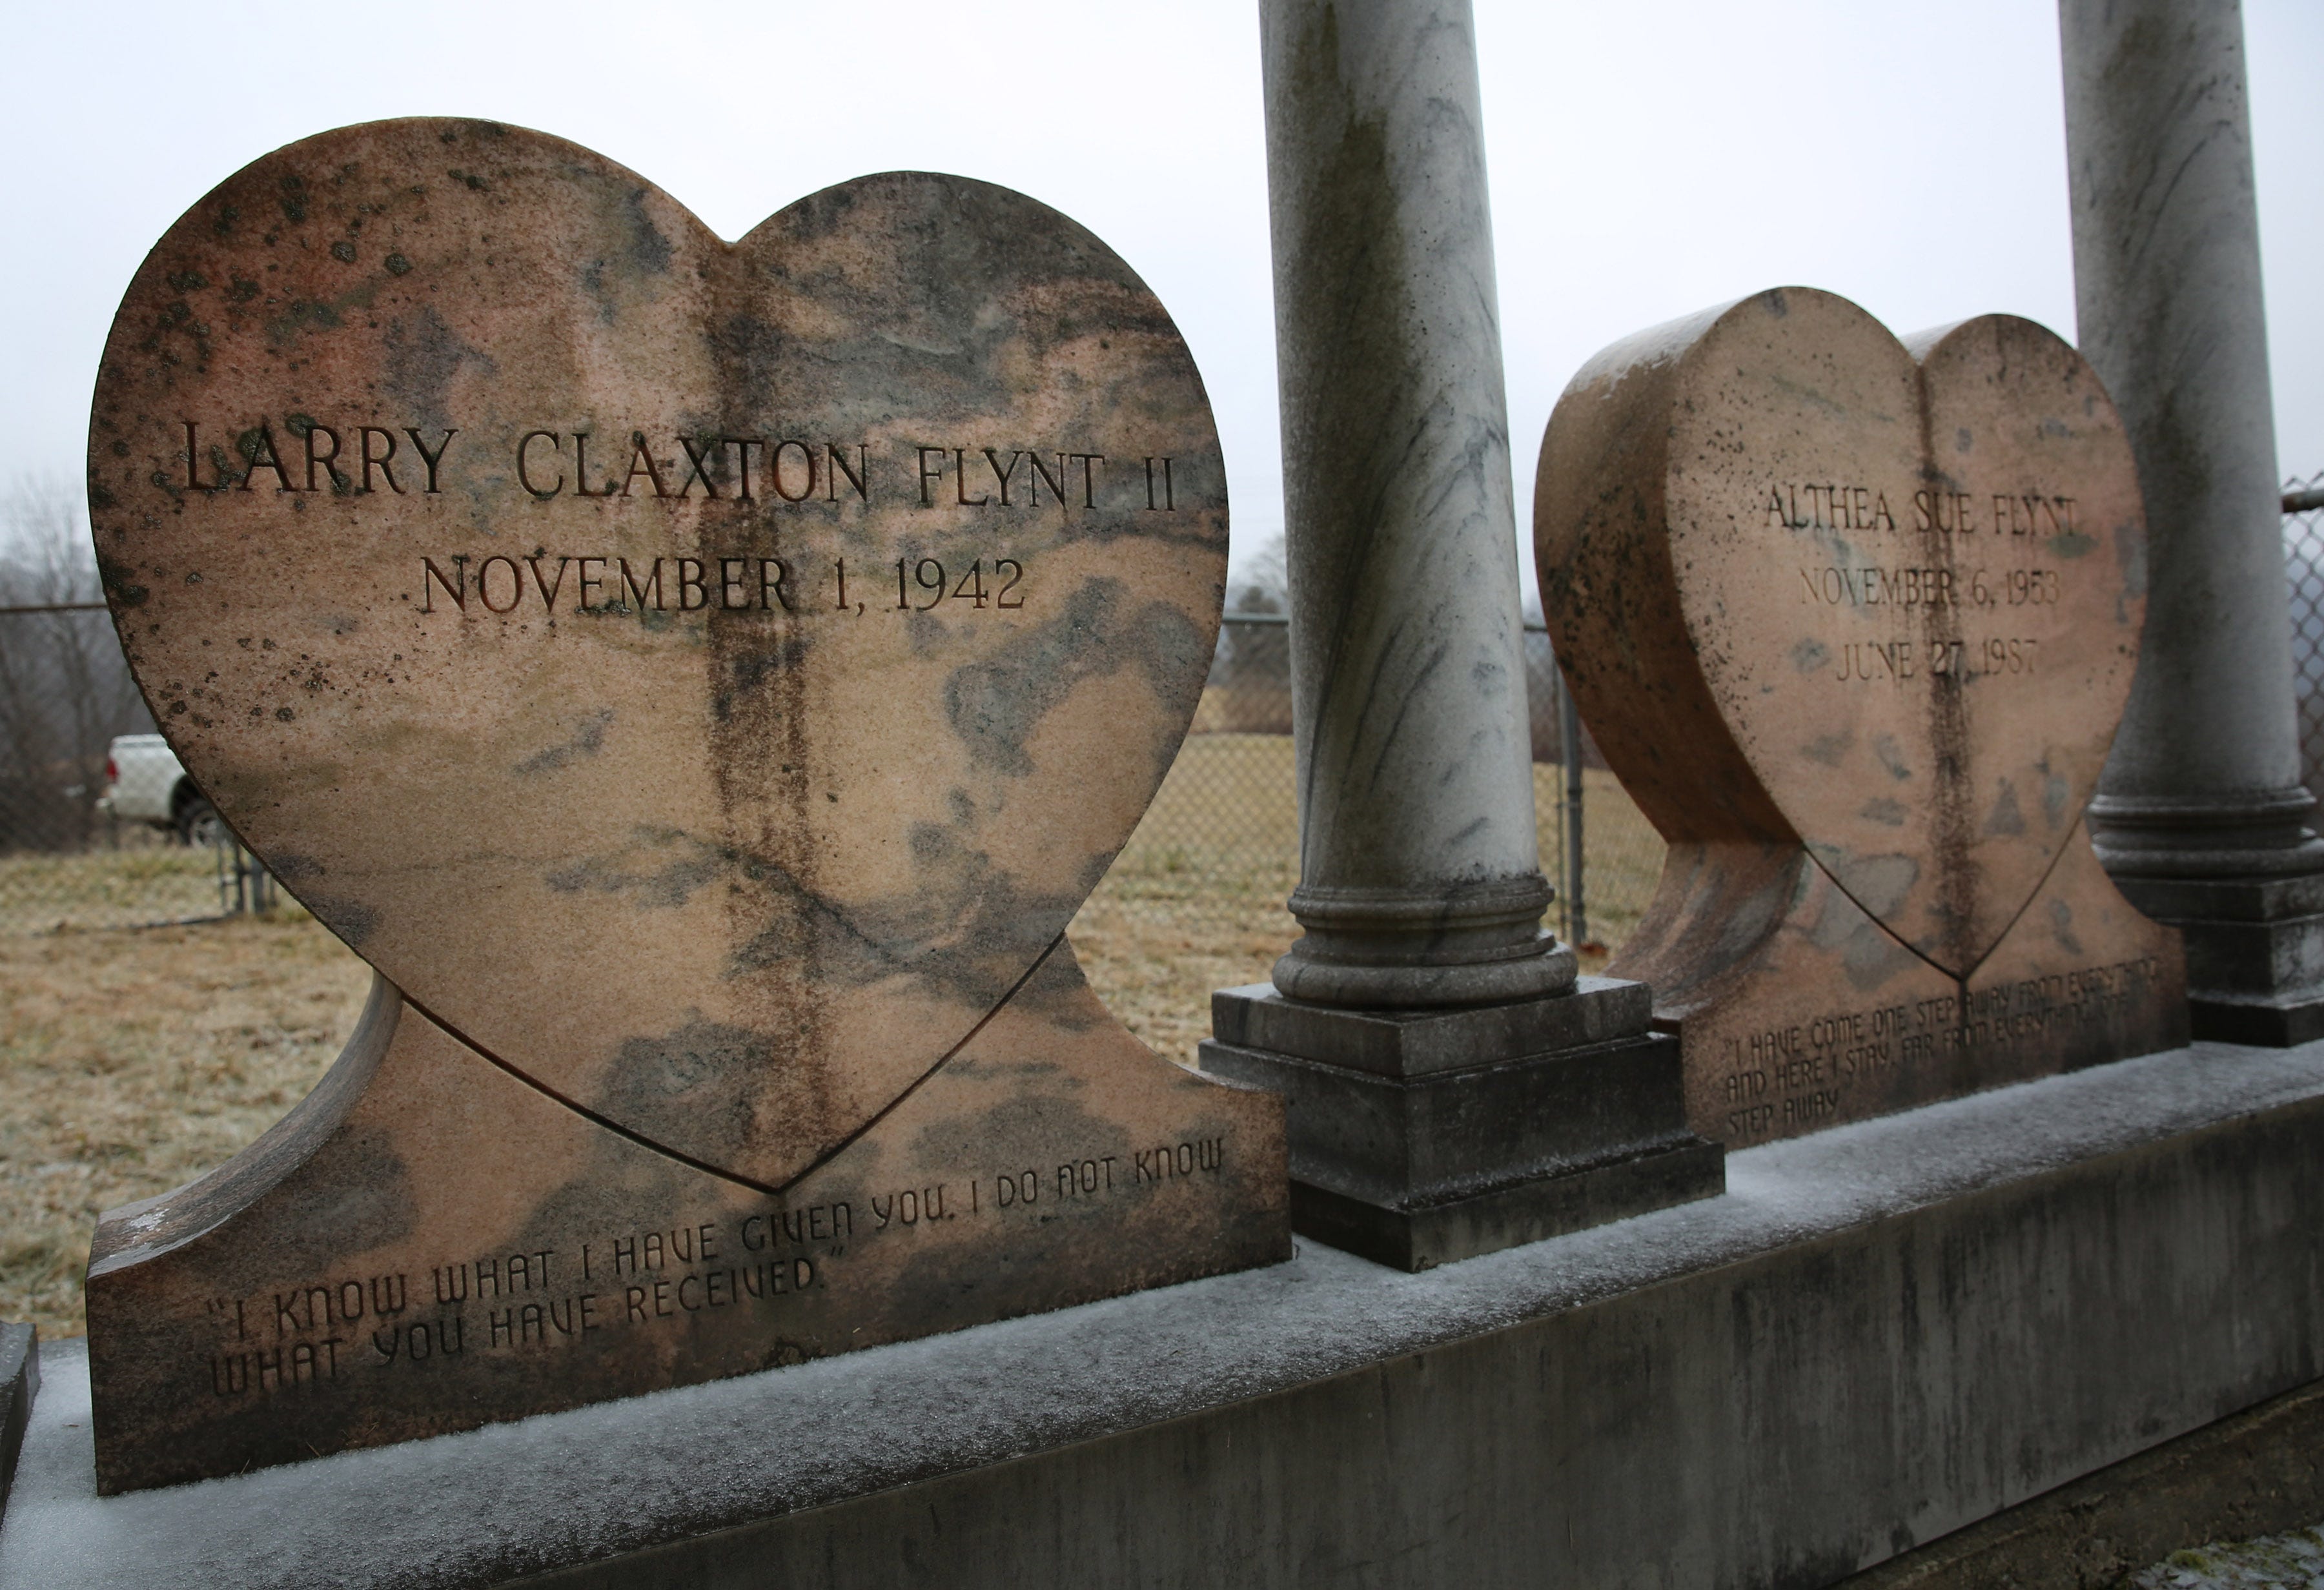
x,y
1416,1236
1881,1334
2254,952
19,1383
1420,1138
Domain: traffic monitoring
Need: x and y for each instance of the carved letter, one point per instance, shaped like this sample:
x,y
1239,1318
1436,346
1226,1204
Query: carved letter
x,y
338,481
693,456
1001,475
380,463
259,453
837,465
457,589
1088,487
638,592
547,591
484,584
742,445
960,482
524,479
641,462
430,459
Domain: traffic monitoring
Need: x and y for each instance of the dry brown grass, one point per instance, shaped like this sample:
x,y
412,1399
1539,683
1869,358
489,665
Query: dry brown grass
x,y
135,1060
142,881
1622,860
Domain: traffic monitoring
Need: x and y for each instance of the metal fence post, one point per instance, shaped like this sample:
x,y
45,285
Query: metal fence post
x,y
1569,751
2303,558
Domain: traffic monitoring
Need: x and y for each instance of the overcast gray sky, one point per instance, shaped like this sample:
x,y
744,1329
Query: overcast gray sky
x,y
1647,158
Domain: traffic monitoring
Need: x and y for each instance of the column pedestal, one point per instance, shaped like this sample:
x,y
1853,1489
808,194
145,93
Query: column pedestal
x,y
1422,1137
2255,942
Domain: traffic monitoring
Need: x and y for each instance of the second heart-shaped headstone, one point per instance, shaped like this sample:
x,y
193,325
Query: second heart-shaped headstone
x,y
1877,602
706,678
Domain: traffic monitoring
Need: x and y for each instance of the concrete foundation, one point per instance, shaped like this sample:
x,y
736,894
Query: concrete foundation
x,y
2253,1474
19,1383
1879,1336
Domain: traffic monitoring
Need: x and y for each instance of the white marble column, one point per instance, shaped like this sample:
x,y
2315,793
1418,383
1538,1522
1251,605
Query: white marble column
x,y
2200,816
1420,883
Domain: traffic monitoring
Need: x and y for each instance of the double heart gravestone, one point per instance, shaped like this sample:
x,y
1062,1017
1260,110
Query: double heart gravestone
x,y
1854,620
703,680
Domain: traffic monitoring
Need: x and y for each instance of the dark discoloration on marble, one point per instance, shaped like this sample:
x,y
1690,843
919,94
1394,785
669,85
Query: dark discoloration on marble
x,y
1831,605
872,343
722,891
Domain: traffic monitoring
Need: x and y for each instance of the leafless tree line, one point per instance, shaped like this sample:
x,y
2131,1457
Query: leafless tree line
x,y
65,689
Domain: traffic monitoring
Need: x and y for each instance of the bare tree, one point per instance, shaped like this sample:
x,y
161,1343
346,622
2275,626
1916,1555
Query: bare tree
x,y
65,689
1263,583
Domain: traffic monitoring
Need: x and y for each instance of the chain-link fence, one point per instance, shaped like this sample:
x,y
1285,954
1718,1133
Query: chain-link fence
x,y
2304,559
1221,842
66,862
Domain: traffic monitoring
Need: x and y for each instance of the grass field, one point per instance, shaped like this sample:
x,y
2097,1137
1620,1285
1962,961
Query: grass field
x,y
133,1061
124,888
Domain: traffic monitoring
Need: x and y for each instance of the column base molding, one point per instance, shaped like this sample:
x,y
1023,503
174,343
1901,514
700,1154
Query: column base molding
x,y
1378,949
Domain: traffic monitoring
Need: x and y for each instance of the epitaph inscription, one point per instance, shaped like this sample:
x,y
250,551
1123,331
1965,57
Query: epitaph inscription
x,y
703,680
1887,597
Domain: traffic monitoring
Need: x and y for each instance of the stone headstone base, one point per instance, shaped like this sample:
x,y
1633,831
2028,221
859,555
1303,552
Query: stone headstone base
x,y
1881,1334
1797,1010
427,1244
1423,1138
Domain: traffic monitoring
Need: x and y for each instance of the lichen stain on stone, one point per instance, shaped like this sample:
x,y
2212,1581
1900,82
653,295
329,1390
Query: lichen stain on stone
x,y
697,1085
588,738
995,703
352,919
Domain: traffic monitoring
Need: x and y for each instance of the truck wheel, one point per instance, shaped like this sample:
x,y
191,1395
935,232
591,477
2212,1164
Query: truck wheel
x,y
198,824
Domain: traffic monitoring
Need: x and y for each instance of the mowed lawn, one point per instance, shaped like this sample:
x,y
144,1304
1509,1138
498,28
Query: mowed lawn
x,y
135,1059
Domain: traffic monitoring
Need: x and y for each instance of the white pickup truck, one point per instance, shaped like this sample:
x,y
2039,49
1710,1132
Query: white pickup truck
x,y
144,783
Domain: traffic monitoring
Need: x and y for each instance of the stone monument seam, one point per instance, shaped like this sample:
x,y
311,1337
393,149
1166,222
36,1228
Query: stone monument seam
x,y
644,1141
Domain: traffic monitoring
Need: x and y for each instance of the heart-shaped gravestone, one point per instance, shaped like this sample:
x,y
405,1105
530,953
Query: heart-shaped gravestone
x,y
1881,598
704,677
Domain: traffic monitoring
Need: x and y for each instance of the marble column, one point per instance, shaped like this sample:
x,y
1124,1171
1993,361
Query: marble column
x,y
1451,1088
1420,883
2200,816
